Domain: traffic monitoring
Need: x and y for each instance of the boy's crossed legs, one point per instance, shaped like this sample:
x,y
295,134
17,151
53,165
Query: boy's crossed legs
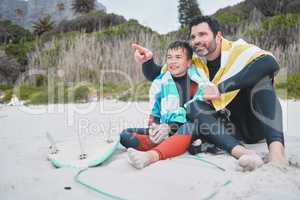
x,y
143,152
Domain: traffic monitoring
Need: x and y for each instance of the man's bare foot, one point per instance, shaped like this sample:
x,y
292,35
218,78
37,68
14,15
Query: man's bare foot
x,y
240,150
140,159
276,155
250,162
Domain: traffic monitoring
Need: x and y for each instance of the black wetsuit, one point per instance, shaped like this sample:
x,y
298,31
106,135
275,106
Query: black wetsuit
x,y
255,112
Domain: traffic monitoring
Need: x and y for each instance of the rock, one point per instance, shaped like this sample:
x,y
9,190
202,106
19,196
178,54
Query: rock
x,y
9,69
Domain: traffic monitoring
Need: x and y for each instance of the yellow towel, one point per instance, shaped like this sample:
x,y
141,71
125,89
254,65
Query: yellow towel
x,y
234,57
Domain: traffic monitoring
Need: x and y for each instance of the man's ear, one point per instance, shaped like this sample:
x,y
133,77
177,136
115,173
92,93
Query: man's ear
x,y
219,35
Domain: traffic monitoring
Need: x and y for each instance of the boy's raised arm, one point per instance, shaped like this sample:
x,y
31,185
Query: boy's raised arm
x,y
141,54
144,56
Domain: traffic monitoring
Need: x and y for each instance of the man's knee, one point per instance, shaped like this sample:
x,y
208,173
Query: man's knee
x,y
197,109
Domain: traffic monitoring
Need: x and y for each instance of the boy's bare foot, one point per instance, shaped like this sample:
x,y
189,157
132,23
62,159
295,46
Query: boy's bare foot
x,y
140,159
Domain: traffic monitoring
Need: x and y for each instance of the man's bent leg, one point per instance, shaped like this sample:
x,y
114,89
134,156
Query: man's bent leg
x,y
266,119
210,127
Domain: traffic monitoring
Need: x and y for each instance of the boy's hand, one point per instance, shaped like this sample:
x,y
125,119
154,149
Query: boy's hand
x,y
211,92
159,133
141,54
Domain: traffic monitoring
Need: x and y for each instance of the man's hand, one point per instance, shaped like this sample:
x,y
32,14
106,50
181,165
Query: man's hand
x,y
211,92
141,54
159,133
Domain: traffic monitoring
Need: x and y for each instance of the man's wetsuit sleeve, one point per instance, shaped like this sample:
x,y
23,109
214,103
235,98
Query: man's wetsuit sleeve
x,y
151,70
251,74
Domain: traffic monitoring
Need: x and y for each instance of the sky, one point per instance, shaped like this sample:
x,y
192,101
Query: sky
x,y
160,15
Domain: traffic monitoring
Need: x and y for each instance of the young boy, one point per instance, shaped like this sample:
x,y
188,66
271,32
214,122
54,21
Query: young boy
x,y
169,132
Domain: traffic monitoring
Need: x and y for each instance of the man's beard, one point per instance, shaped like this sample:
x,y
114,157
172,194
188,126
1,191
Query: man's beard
x,y
206,50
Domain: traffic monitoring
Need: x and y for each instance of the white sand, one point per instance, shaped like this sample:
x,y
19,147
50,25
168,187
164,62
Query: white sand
x,y
26,174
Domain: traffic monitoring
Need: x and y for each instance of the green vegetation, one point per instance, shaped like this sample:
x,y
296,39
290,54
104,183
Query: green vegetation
x,y
81,93
94,41
139,92
5,87
16,41
55,94
236,13
20,51
281,21
227,17
24,91
129,27
289,88
111,88
187,9
7,95
43,25
12,33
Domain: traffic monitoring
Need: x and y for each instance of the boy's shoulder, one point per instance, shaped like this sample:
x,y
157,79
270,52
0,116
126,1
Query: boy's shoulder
x,y
160,76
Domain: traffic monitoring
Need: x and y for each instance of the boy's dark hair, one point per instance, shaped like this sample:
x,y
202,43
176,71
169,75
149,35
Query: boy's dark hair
x,y
212,23
182,45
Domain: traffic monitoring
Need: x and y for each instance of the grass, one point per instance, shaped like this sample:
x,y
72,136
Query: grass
x,y
139,92
79,93
286,86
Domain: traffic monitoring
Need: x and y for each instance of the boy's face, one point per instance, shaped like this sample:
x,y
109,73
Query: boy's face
x,y
177,62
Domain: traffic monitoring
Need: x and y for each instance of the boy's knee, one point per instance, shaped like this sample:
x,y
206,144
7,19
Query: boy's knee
x,y
127,139
186,129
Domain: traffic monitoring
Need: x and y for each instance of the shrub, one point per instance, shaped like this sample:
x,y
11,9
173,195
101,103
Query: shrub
x,y
5,87
81,93
20,51
112,89
226,17
293,86
281,21
12,33
39,98
50,95
8,95
25,91
139,92
126,28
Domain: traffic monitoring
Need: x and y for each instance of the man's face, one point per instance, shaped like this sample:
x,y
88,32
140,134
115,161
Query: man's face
x,y
202,39
177,62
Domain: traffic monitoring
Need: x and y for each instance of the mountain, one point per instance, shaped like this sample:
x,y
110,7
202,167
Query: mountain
x,y
24,13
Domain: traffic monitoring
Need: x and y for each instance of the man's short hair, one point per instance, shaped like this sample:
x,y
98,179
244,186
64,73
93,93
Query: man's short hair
x,y
182,45
212,23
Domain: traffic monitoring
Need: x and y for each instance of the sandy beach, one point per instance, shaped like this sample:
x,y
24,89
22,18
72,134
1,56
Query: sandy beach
x,y
27,174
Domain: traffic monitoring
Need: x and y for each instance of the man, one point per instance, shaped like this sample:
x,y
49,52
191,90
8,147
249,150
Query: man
x,y
242,78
